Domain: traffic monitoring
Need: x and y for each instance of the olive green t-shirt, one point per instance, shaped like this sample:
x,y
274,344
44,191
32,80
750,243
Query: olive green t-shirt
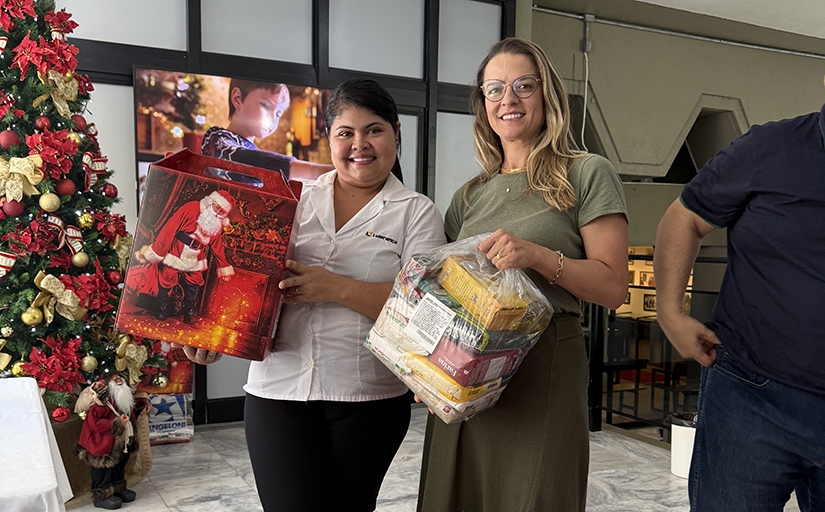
x,y
505,202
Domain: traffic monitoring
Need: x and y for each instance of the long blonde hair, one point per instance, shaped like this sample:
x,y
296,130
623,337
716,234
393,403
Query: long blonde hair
x,y
554,148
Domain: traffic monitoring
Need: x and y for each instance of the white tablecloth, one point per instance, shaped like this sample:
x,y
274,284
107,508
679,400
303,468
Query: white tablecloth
x,y
32,475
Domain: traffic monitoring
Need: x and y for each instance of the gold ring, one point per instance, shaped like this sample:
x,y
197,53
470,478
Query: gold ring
x,y
498,256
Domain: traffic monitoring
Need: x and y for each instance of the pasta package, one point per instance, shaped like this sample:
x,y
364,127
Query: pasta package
x,y
455,328
447,410
443,384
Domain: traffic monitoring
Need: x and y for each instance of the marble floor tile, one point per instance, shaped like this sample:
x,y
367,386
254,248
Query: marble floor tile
x,y
212,473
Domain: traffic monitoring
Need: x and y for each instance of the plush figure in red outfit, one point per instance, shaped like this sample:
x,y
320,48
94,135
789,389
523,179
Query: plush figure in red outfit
x,y
107,439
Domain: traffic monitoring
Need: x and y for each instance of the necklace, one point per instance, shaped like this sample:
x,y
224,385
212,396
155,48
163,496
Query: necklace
x,y
514,170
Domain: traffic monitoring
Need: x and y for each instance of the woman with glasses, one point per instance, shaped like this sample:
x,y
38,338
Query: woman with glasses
x,y
560,215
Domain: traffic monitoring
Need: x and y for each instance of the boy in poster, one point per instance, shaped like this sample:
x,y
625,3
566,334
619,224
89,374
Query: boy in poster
x,y
255,109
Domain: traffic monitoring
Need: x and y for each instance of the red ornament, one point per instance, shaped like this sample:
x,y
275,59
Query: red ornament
x,y
42,123
65,187
113,277
8,139
109,190
61,414
79,122
13,208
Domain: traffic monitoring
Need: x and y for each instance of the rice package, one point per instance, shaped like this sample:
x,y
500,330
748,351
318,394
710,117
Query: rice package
x,y
455,328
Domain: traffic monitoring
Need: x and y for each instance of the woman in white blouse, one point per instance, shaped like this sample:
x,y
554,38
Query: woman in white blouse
x,y
323,416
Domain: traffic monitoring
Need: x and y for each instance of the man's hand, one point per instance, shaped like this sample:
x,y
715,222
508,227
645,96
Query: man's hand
x,y
691,338
124,419
199,355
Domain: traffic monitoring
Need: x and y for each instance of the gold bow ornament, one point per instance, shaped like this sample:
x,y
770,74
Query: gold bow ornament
x,y
19,176
123,248
130,357
5,359
54,296
63,89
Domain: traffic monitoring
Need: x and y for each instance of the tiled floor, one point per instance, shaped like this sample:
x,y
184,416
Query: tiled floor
x,y
212,474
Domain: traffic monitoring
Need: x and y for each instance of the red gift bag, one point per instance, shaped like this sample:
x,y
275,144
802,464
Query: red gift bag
x,y
210,248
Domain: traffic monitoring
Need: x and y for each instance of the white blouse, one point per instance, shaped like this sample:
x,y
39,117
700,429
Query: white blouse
x,y
319,352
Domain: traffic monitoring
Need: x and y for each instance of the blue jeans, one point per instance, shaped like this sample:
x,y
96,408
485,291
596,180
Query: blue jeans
x,y
756,441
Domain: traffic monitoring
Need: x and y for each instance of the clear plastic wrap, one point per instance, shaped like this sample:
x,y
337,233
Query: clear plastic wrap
x,y
455,328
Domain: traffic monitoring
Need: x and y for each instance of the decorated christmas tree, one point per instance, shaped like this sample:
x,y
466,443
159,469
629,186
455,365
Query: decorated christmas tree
x,y
62,251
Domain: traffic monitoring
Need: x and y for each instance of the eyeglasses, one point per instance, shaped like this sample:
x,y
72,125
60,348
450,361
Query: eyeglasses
x,y
523,87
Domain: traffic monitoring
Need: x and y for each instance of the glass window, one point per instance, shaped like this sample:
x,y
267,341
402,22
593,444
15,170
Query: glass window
x,y
266,29
384,37
466,31
455,156
134,23
409,150
109,106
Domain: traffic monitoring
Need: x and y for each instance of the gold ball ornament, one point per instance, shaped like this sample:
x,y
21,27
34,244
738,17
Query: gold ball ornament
x,y
88,363
80,259
32,316
75,137
49,202
86,220
17,369
161,381
6,331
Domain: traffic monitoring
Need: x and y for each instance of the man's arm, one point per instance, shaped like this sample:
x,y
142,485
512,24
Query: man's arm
x,y
677,245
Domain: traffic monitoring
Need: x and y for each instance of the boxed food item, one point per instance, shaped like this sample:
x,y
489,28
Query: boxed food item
x,y
435,342
443,384
496,307
210,248
450,411
464,328
469,368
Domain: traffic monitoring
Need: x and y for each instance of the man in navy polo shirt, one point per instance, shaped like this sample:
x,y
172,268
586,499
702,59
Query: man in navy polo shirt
x,y
761,425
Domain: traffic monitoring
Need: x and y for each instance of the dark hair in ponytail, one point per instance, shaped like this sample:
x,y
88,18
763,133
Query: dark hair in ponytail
x,y
368,94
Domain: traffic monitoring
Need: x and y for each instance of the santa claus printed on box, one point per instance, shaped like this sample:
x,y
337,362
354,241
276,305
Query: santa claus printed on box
x,y
107,438
178,254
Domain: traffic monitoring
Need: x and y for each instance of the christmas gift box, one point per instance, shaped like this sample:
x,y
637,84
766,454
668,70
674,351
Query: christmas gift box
x,y
457,363
174,377
209,250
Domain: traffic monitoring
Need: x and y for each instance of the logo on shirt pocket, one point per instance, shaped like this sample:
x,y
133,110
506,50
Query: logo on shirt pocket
x,y
372,234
